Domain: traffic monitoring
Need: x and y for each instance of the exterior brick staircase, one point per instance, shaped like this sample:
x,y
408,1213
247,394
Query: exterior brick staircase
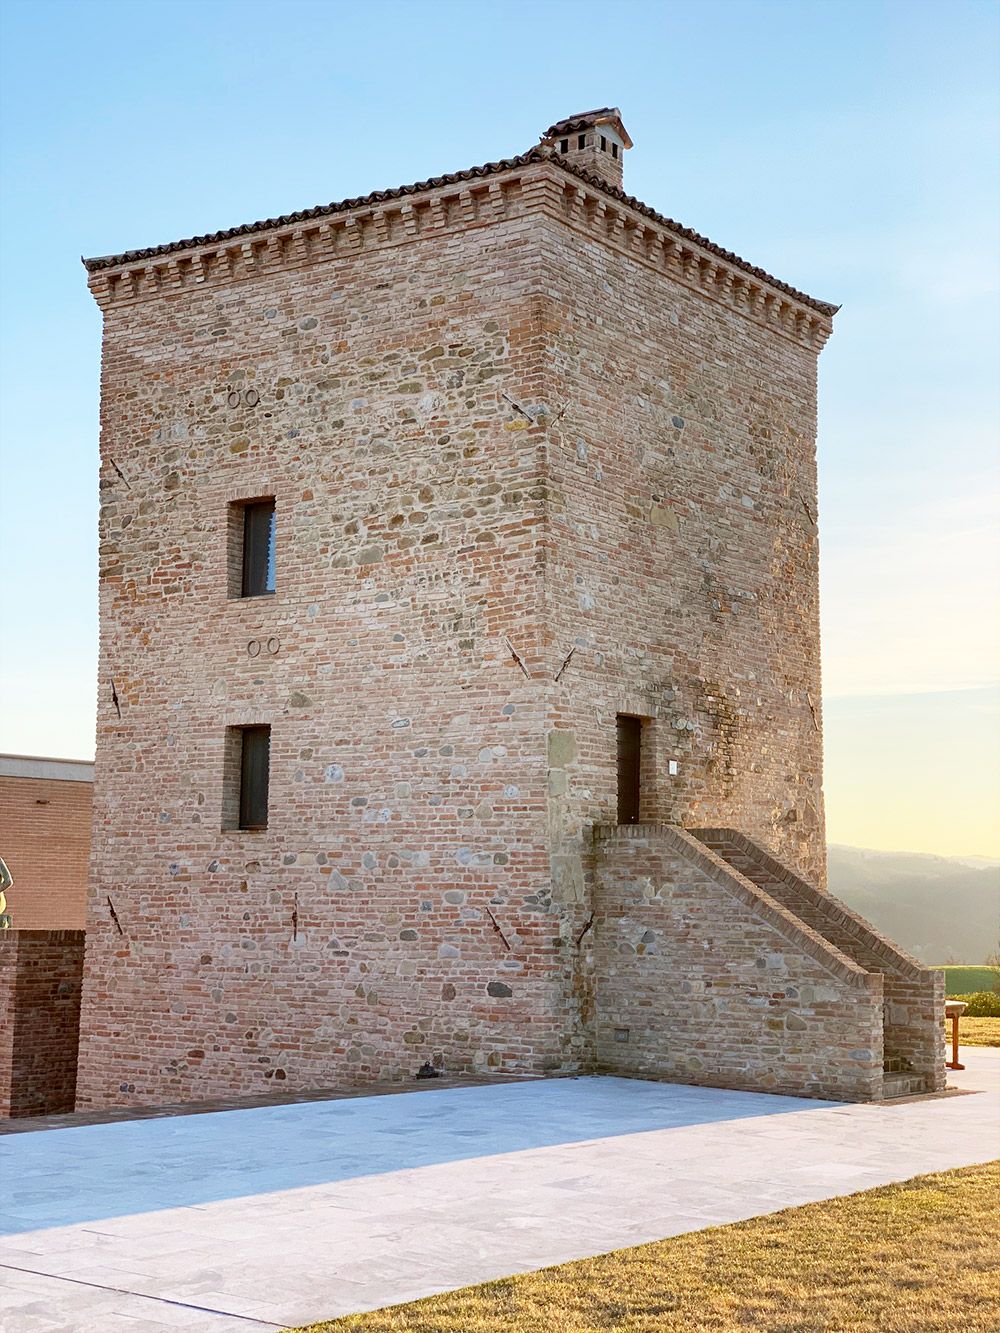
x,y
913,1058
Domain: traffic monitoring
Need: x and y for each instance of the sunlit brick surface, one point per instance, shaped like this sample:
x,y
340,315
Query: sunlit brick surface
x,y
45,841
536,461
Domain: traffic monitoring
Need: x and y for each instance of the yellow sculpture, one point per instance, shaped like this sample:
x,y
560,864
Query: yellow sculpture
x,y
6,880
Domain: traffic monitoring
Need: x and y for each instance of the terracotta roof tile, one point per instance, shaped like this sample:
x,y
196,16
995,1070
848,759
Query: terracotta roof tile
x,y
825,307
534,155
310,214
581,121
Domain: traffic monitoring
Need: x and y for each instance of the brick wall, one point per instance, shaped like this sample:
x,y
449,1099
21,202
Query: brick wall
x,y
684,573
8,1000
364,931
40,980
698,982
493,534
45,840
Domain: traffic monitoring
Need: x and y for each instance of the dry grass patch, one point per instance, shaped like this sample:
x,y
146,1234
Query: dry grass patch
x,y
919,1257
976,1032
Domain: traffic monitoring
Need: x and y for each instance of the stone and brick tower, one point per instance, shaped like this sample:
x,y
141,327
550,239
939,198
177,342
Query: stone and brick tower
x,y
459,679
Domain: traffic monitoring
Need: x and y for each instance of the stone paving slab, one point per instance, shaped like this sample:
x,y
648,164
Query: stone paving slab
x,y
280,1215
53,1305
114,1114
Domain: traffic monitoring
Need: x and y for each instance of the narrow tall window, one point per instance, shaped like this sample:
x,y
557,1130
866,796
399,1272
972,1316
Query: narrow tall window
x,y
258,548
604,144
564,145
629,763
255,765
581,141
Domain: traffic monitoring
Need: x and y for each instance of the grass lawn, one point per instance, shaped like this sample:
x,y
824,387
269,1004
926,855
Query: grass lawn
x,y
965,980
919,1257
976,1032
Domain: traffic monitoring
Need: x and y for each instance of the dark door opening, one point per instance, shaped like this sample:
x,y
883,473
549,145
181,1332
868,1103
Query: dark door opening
x,y
629,757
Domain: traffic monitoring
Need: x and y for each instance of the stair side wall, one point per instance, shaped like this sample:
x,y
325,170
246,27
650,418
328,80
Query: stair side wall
x,y
913,994
693,985
850,924
914,1007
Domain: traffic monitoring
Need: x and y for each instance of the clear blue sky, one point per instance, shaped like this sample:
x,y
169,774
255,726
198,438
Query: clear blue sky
x,y
850,148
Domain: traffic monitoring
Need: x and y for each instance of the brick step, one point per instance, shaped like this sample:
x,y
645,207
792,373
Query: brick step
x,y
896,1064
903,1085
807,912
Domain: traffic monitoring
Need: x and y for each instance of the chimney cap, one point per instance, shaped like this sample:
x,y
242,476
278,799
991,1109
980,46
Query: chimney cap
x,y
585,120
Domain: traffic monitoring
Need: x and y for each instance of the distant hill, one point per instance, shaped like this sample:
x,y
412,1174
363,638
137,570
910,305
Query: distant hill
x,y
940,909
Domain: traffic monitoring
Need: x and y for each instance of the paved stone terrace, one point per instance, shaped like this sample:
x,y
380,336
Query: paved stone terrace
x,y
283,1214
114,1115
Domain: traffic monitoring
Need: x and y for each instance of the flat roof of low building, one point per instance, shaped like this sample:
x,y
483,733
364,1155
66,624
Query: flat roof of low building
x,y
39,766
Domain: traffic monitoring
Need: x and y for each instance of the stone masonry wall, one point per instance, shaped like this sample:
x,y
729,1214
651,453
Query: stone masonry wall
x,y
40,976
694,984
396,908
496,528
684,574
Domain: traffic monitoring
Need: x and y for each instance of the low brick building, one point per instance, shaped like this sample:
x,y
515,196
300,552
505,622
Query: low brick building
x,y
459,677
45,819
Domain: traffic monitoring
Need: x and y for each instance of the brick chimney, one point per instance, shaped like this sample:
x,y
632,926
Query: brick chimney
x,y
593,140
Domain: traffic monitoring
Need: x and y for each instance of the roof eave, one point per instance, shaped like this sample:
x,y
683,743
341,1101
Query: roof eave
x,y
540,153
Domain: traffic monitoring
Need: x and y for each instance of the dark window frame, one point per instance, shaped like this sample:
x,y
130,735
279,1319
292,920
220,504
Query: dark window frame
x,y
254,777
258,571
